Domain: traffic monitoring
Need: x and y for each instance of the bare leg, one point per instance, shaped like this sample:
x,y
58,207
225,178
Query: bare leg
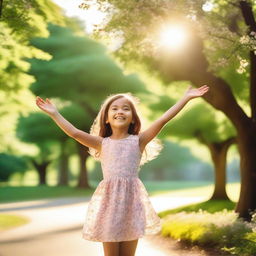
x,y
128,248
111,248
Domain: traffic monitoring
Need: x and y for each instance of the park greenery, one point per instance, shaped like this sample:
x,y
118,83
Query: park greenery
x,y
222,230
221,47
45,53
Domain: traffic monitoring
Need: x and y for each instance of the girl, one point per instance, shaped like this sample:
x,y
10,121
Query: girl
x,y
119,212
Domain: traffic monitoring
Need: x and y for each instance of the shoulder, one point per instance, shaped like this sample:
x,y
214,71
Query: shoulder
x,y
99,140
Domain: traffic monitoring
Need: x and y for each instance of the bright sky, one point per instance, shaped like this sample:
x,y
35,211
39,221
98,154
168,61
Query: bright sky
x,y
90,17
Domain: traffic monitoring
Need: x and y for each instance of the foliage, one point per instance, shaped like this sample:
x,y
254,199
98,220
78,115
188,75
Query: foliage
x,y
20,21
80,71
10,164
27,17
176,163
246,246
137,24
213,127
224,230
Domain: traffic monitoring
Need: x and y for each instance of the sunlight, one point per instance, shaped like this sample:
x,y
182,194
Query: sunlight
x,y
91,17
173,37
207,7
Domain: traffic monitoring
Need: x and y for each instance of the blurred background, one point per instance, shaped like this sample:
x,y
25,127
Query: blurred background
x,y
51,51
77,53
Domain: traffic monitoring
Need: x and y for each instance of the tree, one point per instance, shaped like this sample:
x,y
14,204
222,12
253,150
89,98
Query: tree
x,y
208,127
80,72
38,129
20,21
138,19
10,164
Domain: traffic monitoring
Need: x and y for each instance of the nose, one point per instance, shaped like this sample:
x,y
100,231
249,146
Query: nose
x,y
120,111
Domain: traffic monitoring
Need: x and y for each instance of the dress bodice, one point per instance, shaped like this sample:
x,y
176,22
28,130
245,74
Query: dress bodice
x,y
120,157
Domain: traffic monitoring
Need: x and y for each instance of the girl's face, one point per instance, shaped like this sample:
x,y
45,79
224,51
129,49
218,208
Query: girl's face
x,y
120,113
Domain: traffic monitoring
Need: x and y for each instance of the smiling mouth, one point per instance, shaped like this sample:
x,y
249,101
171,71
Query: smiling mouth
x,y
120,118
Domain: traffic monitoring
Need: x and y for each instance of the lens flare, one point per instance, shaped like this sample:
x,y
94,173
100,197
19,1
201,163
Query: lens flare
x,y
173,37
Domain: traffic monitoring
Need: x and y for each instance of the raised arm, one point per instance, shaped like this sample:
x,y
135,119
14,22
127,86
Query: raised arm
x,y
82,137
149,134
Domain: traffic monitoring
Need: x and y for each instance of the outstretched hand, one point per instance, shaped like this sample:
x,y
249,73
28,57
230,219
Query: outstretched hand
x,y
47,106
196,92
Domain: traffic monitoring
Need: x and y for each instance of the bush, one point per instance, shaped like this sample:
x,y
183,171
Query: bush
x,y
223,230
10,164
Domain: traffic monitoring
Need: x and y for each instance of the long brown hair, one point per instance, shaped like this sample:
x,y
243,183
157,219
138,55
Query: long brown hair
x,y
103,129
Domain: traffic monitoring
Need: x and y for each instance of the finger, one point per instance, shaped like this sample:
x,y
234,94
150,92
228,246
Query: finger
x,y
47,100
39,104
204,88
41,100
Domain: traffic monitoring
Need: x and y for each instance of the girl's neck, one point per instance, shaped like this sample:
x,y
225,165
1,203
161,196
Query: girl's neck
x,y
119,134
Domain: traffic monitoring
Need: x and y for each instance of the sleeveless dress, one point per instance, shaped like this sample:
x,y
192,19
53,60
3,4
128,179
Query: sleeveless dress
x,y
120,209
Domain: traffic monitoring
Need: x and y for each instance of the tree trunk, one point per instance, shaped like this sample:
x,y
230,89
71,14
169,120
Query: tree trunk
x,y
41,170
1,7
219,156
247,140
247,12
247,149
83,177
222,98
63,165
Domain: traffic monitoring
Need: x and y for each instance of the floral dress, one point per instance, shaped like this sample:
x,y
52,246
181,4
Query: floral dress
x,y
120,209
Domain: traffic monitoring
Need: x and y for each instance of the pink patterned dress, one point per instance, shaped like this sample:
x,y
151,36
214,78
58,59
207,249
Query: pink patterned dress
x,y
120,209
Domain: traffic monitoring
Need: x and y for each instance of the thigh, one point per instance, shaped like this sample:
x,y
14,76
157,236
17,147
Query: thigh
x,y
128,248
111,248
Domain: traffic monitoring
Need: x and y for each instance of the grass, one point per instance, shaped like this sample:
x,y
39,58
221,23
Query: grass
x,y
8,221
210,206
170,188
25,193
157,188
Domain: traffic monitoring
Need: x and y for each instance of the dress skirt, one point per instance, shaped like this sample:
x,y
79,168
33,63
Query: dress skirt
x,y
120,210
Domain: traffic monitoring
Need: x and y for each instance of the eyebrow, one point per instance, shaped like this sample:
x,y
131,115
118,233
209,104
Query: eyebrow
x,y
125,105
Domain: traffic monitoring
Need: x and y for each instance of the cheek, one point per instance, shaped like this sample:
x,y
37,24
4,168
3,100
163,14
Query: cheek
x,y
110,113
108,116
130,115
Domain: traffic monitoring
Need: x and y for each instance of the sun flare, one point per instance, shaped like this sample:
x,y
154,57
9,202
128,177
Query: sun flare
x,y
173,37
